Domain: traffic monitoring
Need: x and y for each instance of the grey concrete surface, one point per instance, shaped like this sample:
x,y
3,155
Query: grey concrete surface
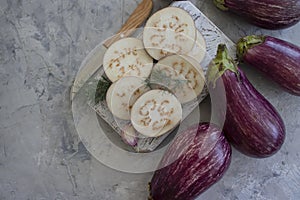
x,y
42,44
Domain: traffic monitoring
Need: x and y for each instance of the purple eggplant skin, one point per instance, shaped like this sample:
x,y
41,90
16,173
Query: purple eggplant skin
x,y
252,125
278,59
195,160
268,14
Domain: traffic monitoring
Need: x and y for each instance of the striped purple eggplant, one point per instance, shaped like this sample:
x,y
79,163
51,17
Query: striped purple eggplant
x,y
278,59
252,124
269,14
195,160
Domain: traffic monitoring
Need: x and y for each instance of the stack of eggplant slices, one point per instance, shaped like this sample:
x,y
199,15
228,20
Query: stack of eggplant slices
x,y
152,78
151,95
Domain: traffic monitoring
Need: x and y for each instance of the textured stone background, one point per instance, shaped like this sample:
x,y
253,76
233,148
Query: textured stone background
x,y
42,44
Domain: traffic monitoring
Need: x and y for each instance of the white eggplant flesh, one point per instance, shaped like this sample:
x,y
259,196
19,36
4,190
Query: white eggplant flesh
x,y
122,94
155,113
169,31
127,57
181,75
199,50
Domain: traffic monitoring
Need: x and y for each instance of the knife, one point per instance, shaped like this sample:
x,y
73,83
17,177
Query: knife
x,y
91,65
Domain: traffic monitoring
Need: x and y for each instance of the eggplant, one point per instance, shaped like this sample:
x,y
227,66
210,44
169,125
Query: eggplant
x,y
195,160
252,125
278,59
269,14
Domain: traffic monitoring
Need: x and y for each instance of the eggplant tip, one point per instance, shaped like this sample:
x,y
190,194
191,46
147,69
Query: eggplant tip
x,y
220,4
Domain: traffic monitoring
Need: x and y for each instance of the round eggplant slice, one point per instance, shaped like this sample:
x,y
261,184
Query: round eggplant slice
x,y
127,57
122,94
155,113
181,75
169,31
199,50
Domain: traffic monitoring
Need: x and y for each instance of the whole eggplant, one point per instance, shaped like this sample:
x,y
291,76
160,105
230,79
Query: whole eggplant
x,y
278,59
252,125
269,14
195,160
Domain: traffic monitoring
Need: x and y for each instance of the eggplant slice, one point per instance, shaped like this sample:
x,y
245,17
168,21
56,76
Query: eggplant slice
x,y
169,31
127,57
155,113
180,76
122,94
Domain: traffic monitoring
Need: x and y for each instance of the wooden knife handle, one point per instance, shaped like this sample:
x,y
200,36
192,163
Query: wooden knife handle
x,y
134,21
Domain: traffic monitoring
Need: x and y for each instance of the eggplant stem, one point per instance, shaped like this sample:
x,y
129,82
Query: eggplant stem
x,y
220,4
150,198
149,188
220,64
246,43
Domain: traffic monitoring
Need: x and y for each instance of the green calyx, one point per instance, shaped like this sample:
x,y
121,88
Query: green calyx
x,y
220,64
220,4
246,43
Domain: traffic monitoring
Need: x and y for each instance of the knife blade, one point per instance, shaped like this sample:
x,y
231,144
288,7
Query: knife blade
x,y
93,63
